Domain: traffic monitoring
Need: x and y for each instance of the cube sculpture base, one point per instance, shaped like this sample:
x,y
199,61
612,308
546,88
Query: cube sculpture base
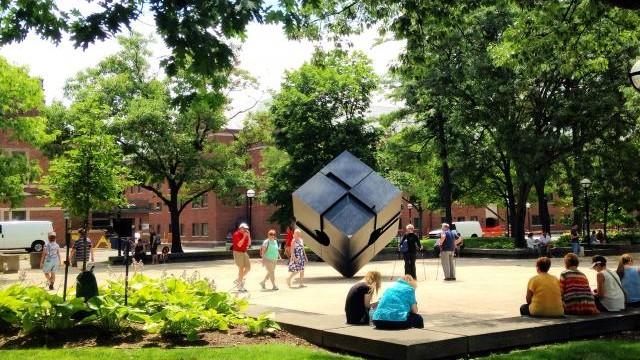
x,y
349,211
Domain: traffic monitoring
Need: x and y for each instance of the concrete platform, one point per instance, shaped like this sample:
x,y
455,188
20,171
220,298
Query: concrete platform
x,y
445,336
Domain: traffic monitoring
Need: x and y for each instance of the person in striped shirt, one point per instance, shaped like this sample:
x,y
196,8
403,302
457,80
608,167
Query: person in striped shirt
x,y
576,292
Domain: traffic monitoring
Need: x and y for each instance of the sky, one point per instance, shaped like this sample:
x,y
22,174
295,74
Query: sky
x,y
266,54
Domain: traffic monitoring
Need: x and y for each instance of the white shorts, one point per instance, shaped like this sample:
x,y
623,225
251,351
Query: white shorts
x,y
50,266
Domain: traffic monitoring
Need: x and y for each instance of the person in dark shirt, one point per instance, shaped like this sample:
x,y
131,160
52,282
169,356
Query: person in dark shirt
x,y
138,251
359,298
409,250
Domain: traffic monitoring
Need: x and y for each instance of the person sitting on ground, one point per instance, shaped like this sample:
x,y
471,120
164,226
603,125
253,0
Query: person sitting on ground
x,y
574,286
359,298
609,295
398,308
600,237
630,276
543,293
593,238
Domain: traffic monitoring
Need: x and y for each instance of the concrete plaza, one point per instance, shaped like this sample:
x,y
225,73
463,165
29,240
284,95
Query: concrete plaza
x,y
485,289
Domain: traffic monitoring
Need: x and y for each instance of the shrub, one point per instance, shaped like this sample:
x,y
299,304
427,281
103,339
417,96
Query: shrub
x,y
169,306
490,243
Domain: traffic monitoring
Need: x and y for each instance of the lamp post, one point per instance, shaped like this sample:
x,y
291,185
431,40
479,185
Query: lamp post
x,y
634,75
250,195
586,184
528,205
508,228
67,242
410,207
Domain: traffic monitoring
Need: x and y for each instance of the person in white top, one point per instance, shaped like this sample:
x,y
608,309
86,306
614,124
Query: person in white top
x,y
609,294
50,260
531,243
543,244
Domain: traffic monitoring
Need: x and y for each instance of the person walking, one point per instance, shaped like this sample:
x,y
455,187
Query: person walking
x,y
409,246
630,277
241,241
358,303
298,258
82,249
270,256
447,244
155,242
50,260
609,295
575,239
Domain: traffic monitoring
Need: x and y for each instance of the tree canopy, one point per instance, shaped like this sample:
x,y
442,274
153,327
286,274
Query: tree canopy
x,y
320,111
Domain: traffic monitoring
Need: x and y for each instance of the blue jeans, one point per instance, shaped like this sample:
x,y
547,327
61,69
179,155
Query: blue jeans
x,y
575,248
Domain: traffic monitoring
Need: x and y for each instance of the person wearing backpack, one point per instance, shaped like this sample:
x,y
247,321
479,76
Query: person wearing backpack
x,y
447,243
409,246
270,256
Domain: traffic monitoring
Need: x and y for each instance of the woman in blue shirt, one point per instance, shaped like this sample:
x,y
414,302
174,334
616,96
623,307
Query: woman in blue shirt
x,y
398,308
630,277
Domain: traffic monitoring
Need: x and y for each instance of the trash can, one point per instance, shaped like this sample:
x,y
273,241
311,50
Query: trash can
x,y
34,259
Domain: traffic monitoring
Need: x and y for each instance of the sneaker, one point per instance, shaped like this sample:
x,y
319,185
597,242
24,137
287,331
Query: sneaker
x,y
262,285
275,288
51,286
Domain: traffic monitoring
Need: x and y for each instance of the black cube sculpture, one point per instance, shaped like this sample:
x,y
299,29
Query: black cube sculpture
x,y
349,211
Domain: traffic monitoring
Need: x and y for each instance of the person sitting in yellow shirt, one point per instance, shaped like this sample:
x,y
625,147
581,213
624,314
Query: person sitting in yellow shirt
x,y
544,298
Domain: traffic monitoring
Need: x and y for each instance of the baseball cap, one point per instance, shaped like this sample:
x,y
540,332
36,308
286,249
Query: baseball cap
x,y
51,234
244,226
598,260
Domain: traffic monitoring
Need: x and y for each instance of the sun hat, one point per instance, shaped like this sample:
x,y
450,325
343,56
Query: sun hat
x,y
244,226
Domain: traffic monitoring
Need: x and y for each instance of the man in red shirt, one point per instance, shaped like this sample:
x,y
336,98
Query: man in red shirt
x,y
240,244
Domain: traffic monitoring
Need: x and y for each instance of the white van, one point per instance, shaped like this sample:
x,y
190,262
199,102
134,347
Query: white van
x,y
467,229
28,235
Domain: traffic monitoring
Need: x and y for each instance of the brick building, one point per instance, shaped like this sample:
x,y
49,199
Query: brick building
x,y
208,221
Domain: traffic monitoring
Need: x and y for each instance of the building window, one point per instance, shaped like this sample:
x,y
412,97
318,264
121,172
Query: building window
x,y
443,220
204,231
461,218
158,228
535,219
159,206
181,229
20,215
195,229
201,201
552,219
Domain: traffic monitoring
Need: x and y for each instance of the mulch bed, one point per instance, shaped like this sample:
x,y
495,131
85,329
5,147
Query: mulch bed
x,y
88,336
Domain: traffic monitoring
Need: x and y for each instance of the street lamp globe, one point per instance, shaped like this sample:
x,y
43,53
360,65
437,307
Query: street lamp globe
x,y
251,193
585,183
409,206
528,205
634,75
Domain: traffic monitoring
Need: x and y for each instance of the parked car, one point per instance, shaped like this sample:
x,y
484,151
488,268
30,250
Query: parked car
x,y
465,228
28,235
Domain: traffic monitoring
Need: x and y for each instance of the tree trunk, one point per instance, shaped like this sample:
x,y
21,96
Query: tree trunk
x,y
543,207
176,241
520,215
446,171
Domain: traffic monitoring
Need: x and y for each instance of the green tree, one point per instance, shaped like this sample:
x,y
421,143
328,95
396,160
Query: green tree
x,y
319,112
165,128
21,100
89,175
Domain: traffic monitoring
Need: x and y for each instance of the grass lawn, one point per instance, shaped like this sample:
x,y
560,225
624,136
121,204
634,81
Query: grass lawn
x,y
577,350
262,352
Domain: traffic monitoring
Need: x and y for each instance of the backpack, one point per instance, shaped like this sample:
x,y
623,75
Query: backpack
x,y
404,245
